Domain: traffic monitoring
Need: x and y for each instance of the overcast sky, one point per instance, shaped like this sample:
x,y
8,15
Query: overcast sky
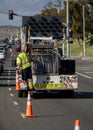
x,y
23,7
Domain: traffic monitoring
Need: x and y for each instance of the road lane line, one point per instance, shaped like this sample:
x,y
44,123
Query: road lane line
x,y
84,75
8,81
11,94
15,103
23,115
10,89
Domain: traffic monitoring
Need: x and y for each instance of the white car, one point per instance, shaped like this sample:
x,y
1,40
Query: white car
x,y
2,55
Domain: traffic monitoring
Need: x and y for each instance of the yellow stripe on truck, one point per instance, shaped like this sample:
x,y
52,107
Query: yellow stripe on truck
x,y
50,86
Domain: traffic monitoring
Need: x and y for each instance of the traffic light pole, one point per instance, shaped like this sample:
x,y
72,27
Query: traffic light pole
x,y
67,31
13,14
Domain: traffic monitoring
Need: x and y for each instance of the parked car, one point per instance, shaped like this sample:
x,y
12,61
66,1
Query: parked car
x,y
3,49
1,66
4,45
2,55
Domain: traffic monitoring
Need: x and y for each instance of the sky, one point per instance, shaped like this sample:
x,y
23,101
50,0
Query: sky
x,y
22,7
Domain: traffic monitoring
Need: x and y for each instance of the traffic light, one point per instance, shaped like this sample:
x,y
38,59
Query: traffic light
x,y
70,33
65,30
10,14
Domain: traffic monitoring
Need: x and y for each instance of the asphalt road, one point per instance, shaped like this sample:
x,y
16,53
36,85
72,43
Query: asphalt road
x,y
51,113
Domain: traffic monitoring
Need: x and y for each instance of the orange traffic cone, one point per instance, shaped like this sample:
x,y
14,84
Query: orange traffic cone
x,y
29,112
17,82
77,125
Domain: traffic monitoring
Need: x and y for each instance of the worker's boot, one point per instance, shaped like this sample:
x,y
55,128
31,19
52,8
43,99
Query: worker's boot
x,y
31,86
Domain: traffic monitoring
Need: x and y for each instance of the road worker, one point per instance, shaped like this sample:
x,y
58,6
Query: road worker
x,y
24,65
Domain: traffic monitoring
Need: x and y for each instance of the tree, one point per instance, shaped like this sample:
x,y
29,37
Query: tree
x,y
49,10
75,15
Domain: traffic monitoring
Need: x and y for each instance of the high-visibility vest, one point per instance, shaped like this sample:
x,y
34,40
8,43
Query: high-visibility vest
x,y
23,60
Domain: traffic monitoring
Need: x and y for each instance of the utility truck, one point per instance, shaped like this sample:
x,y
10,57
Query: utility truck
x,y
52,73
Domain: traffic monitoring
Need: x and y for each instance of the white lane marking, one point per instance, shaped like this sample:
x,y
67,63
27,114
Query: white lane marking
x,y
8,81
23,115
10,89
11,94
84,75
15,103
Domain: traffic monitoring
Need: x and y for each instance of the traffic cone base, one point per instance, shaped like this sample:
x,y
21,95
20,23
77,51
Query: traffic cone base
x,y
29,112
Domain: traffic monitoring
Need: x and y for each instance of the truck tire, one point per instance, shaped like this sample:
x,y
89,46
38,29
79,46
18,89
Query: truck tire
x,y
20,93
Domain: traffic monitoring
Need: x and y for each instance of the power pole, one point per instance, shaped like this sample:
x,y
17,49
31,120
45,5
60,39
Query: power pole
x,y
67,31
84,48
